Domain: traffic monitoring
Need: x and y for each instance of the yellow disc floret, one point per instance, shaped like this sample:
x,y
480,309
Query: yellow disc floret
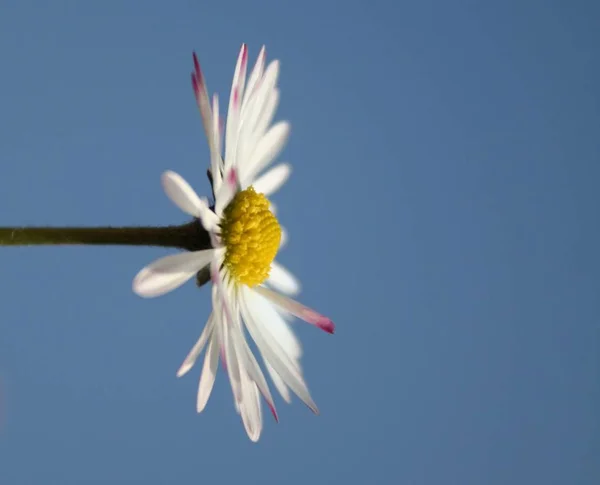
x,y
251,234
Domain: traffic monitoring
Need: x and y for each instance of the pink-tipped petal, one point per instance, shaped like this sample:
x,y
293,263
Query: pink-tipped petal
x,y
273,411
197,78
297,309
202,99
244,53
197,70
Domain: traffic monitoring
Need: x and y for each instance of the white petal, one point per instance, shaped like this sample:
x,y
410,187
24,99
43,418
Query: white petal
x,y
278,381
255,76
233,112
232,339
249,363
231,359
272,350
297,309
259,99
216,162
273,208
254,125
209,220
267,149
267,114
284,238
268,317
227,191
222,292
184,197
209,372
166,274
282,280
250,409
190,360
265,91
272,180
225,313
182,194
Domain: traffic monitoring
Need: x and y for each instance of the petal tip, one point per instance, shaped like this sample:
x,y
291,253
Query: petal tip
x,y
273,411
183,370
196,62
326,324
138,286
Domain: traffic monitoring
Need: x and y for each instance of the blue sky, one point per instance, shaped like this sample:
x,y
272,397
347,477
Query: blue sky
x,y
442,210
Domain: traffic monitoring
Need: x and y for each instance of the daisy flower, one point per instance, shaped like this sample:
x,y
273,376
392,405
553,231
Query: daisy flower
x,y
249,287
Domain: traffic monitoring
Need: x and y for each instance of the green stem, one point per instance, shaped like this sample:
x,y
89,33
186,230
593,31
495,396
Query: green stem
x,y
191,236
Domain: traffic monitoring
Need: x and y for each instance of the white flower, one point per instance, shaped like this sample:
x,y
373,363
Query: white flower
x,y
247,282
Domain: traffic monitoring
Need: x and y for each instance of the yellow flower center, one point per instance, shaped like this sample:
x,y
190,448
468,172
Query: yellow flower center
x,y
251,234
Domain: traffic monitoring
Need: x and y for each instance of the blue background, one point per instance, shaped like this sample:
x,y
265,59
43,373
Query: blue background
x,y
443,211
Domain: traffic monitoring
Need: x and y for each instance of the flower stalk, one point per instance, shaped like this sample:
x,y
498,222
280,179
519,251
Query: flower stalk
x,y
190,236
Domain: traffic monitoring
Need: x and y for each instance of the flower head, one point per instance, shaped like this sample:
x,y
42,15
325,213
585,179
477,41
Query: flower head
x,y
248,284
